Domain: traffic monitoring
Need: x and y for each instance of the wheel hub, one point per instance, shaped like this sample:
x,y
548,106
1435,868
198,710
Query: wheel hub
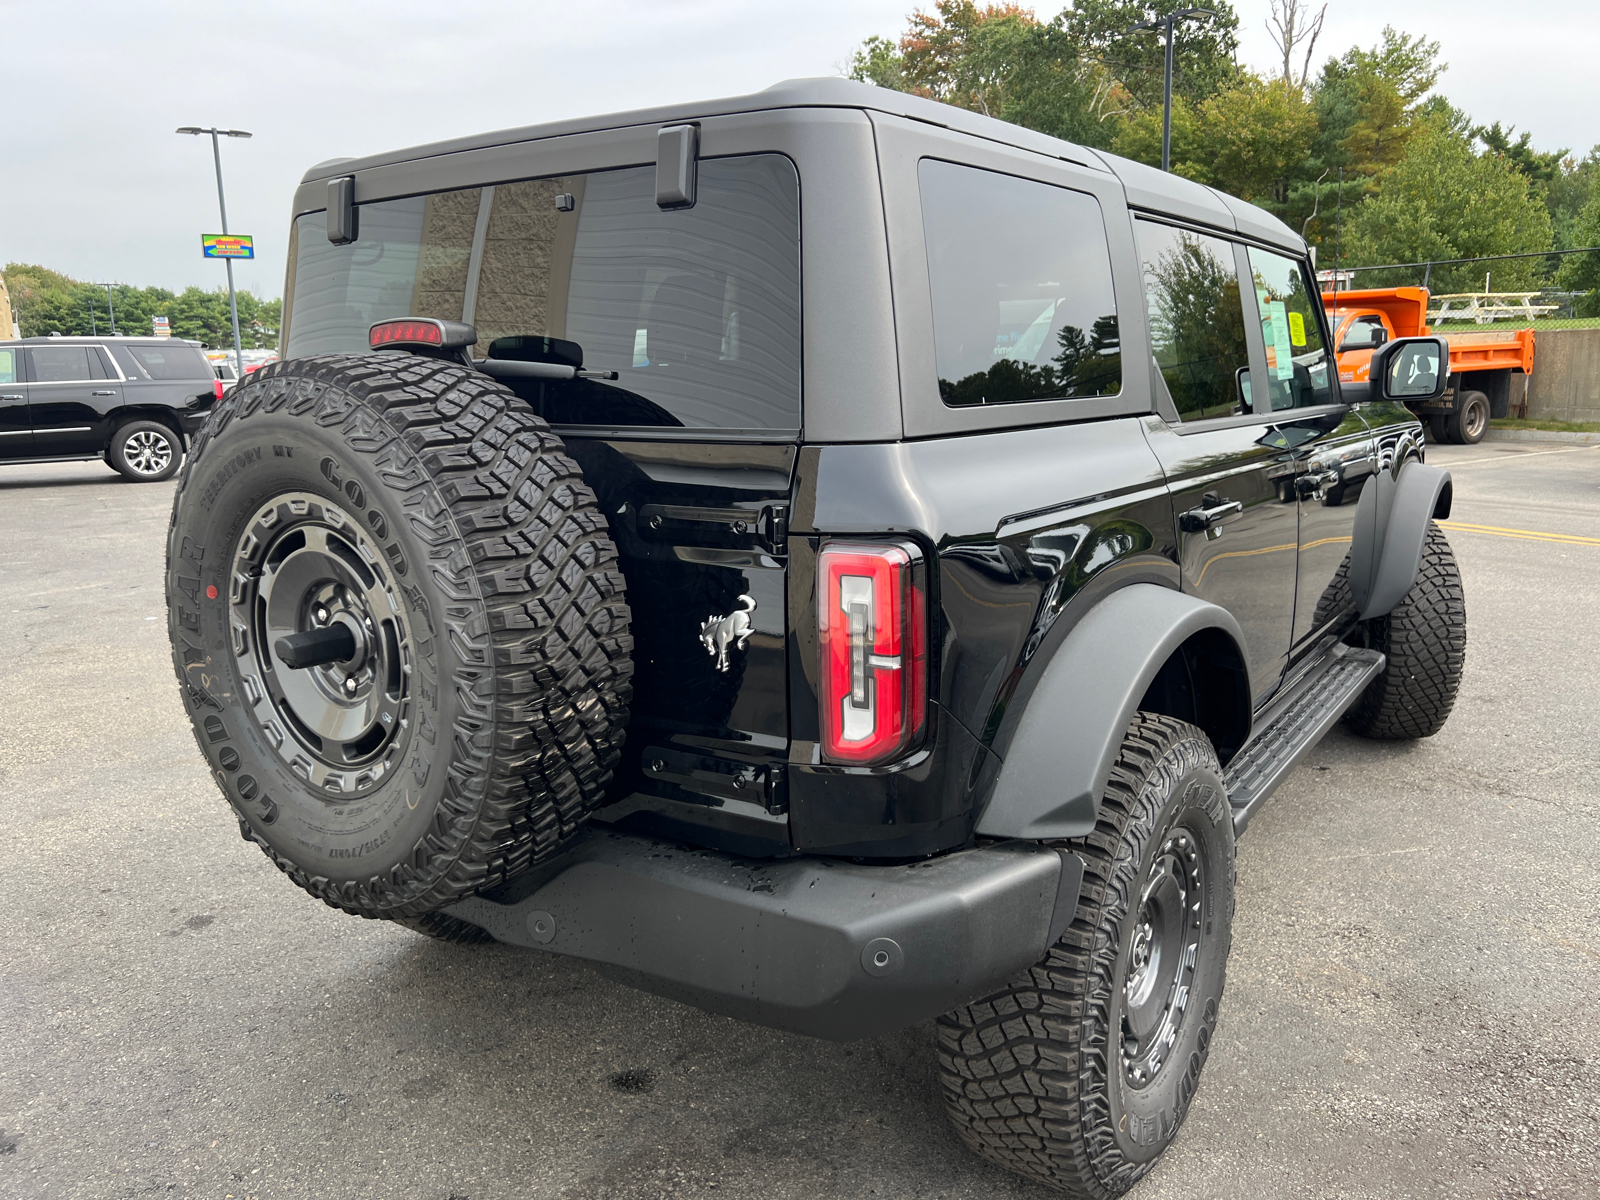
x,y
1162,953
147,452
305,575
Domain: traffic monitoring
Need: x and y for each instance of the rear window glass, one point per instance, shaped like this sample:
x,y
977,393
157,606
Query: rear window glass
x,y
171,362
697,310
410,260
1020,273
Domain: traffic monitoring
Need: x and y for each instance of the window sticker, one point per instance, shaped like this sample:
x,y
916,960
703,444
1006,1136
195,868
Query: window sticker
x,y
1277,320
1297,328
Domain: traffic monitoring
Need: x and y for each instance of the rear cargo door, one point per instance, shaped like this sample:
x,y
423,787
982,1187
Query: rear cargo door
x,y
659,334
688,321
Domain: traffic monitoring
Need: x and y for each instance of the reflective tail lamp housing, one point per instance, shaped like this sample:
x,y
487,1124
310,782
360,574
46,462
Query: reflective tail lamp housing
x,y
872,630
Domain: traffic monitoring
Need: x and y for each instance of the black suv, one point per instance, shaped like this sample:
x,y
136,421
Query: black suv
x,y
822,556
131,401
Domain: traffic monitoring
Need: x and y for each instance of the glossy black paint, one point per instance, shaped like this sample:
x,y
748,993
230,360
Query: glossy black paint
x,y
1025,531
698,526
76,419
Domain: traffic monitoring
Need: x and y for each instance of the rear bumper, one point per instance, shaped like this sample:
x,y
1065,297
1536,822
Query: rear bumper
x,y
817,946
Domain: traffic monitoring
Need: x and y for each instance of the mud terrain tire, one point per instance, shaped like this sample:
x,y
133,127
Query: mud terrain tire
x,y
423,508
1052,1078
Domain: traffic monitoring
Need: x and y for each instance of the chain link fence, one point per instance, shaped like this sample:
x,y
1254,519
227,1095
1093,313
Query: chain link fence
x,y
1502,292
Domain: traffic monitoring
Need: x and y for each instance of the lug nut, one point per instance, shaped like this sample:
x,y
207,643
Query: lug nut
x,y
350,684
322,616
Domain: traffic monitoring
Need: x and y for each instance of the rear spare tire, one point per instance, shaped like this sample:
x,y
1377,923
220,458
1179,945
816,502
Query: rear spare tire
x,y
418,542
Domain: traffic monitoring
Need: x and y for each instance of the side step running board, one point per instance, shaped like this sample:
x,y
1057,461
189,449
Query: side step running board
x,y
1296,725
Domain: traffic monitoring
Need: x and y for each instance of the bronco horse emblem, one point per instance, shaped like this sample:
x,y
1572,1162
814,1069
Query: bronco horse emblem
x,y
720,634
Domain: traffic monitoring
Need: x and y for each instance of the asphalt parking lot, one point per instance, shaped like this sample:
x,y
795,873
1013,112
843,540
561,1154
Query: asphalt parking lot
x,y
1413,1007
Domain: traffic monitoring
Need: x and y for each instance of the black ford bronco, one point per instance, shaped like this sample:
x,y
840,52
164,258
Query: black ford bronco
x,y
823,556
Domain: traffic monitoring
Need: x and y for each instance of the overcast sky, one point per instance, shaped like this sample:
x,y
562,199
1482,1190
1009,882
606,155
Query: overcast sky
x,y
96,184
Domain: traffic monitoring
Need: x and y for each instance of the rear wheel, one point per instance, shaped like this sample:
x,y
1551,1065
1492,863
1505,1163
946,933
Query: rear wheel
x,y
399,628
1080,1072
145,451
1439,430
1470,420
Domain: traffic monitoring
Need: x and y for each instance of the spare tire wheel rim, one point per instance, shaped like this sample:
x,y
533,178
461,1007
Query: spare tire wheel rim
x,y
1162,955
147,451
303,564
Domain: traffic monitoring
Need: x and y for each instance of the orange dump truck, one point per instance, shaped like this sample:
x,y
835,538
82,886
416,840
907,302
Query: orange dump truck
x,y
1482,365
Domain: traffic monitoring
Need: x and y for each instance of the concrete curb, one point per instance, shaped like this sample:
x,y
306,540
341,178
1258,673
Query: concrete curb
x,y
1541,435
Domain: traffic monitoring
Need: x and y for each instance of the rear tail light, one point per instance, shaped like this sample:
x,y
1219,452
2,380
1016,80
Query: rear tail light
x,y
872,631
216,388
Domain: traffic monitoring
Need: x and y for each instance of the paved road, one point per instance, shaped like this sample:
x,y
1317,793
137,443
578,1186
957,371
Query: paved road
x,y
1412,1009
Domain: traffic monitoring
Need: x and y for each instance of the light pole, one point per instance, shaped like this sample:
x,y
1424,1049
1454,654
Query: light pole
x,y
1169,21
110,305
233,302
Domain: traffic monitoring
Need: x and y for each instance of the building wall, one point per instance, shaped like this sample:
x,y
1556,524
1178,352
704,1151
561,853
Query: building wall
x,y
7,329
1565,384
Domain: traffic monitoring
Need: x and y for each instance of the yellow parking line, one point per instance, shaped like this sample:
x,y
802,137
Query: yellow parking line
x,y
1527,535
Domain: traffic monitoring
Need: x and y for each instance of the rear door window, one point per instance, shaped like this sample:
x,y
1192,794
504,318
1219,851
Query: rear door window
x,y
8,366
697,310
1020,275
60,364
1197,329
1298,374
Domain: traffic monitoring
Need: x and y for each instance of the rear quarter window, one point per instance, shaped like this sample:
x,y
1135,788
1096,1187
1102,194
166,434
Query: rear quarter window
x,y
1020,275
171,362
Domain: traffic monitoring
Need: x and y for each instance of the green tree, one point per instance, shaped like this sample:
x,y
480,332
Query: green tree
x,y
1442,201
1568,193
1075,77
1541,166
50,302
1203,48
1581,272
1249,139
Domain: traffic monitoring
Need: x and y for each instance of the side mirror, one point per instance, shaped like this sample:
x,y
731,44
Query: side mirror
x,y
1411,369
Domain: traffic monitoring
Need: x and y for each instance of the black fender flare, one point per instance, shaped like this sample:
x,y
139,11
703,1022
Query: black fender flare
x,y
1391,526
1058,763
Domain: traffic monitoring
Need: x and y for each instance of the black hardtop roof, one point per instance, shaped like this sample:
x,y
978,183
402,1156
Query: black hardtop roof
x,y
1146,187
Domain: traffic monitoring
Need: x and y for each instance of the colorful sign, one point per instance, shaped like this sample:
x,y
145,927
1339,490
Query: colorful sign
x,y
160,326
228,245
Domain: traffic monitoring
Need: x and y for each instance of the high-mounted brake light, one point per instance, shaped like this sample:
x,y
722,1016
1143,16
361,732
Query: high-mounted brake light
x,y
421,331
872,632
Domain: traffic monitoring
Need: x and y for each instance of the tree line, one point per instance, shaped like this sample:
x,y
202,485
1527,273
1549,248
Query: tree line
x,y
1364,156
48,302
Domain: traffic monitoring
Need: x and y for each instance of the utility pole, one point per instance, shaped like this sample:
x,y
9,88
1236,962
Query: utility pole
x,y
222,204
1168,22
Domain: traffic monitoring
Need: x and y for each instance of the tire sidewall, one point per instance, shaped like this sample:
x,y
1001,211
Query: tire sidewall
x,y
335,842
1143,1121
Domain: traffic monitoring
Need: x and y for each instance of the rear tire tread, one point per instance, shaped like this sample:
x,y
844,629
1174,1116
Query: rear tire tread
x,y
520,540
